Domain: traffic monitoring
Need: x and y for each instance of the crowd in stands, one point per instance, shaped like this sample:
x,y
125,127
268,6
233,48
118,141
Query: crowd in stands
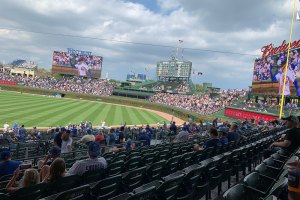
x,y
74,84
53,167
184,87
202,104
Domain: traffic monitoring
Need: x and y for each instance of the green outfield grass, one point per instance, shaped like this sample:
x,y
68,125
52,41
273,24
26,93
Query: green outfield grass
x,y
43,111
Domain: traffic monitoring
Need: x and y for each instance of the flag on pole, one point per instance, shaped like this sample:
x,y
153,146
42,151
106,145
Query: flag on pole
x,y
199,73
180,41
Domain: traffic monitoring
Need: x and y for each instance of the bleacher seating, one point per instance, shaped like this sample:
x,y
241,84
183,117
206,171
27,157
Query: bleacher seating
x,y
170,171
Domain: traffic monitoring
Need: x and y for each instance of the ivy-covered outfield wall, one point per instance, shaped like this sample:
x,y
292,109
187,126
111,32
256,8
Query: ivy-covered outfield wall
x,y
180,113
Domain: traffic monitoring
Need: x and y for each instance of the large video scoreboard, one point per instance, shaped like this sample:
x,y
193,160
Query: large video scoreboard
x,y
77,63
268,72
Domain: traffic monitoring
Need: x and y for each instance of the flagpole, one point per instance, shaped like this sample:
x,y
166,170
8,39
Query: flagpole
x,y
287,61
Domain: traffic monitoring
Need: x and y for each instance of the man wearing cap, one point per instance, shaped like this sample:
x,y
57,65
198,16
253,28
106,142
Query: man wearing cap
x,y
292,138
7,166
94,162
88,138
144,136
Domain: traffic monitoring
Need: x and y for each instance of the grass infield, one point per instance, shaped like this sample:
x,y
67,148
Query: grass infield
x,y
43,111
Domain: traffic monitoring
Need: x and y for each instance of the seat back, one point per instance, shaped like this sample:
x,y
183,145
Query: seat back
x,y
133,179
191,176
81,193
236,192
170,186
186,160
260,185
32,192
148,158
198,157
155,170
107,188
146,193
65,183
93,176
115,168
132,163
171,165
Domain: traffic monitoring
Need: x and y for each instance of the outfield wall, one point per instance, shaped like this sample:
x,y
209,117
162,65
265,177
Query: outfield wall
x,y
177,112
248,114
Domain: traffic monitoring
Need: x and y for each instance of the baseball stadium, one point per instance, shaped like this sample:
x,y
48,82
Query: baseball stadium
x,y
97,104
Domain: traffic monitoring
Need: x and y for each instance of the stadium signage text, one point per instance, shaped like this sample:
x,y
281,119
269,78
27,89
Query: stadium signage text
x,y
269,50
75,51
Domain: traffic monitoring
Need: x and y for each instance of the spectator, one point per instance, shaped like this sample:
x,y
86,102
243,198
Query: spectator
x,y
196,147
66,145
90,164
57,137
111,138
88,138
120,136
30,177
7,166
233,134
223,135
6,127
54,172
214,140
291,140
100,138
144,137
183,135
53,153
173,128
215,122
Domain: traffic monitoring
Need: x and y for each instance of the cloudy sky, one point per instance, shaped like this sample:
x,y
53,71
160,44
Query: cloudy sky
x,y
237,26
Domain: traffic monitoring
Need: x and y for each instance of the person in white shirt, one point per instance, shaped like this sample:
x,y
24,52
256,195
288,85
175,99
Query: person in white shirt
x,y
6,128
82,67
289,79
94,162
66,145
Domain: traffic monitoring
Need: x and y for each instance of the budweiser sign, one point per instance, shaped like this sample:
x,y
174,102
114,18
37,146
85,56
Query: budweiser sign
x,y
269,50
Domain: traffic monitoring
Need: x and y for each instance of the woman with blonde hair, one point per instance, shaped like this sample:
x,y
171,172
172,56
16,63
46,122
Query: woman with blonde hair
x,y
31,177
52,173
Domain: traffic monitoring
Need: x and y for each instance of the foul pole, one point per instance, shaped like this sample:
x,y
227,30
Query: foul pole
x,y
287,61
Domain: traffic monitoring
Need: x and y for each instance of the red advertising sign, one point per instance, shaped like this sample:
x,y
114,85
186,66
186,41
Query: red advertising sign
x,y
269,50
3,82
242,114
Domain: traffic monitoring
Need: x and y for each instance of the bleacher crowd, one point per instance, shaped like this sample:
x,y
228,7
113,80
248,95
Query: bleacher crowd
x,y
202,104
74,84
122,164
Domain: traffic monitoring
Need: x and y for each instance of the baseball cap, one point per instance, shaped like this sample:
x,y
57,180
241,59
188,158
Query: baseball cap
x,y
5,154
94,149
291,118
55,151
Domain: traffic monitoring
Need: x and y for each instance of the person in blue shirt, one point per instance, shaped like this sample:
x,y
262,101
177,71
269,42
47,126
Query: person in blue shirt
x,y
233,134
7,166
222,135
214,140
143,136
120,135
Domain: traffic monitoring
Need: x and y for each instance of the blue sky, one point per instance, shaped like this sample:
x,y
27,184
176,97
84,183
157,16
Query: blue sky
x,y
229,26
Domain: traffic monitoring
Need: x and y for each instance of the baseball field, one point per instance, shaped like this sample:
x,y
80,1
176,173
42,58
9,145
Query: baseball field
x,y
43,111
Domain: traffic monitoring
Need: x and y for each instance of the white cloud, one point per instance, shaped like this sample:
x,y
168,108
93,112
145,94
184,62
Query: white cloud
x,y
233,25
